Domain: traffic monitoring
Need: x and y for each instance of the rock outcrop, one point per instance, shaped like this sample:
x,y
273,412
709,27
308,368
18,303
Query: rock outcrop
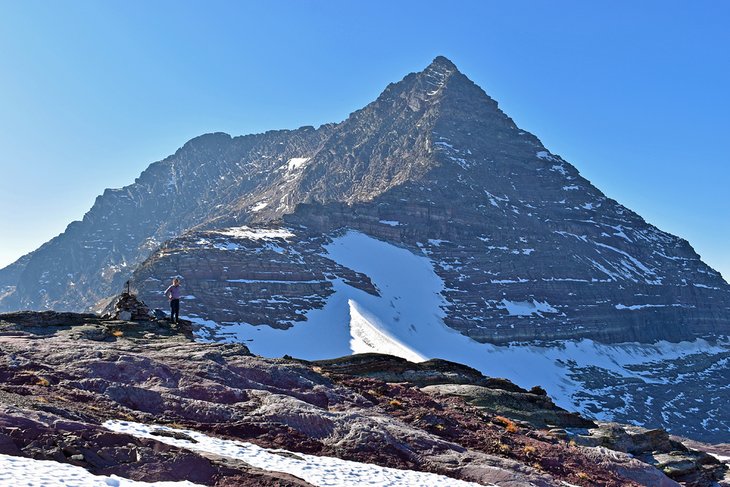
x,y
447,379
59,382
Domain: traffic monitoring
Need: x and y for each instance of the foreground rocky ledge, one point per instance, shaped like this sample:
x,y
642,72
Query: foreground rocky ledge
x,y
62,375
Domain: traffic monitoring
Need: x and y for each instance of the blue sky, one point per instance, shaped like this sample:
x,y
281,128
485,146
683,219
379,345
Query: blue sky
x,y
634,94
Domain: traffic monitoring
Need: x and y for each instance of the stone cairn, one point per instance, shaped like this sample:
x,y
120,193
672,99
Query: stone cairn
x,y
127,307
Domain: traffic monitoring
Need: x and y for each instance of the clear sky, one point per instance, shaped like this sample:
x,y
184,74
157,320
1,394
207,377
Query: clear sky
x,y
634,94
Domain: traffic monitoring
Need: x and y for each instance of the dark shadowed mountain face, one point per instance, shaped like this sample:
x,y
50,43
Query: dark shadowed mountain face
x,y
526,247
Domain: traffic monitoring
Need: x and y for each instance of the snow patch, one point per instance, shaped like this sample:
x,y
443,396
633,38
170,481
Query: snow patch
x,y
704,286
227,246
584,238
256,233
444,144
546,156
317,470
368,335
453,153
22,471
642,306
634,260
461,162
296,163
272,281
527,308
620,232
259,206
613,276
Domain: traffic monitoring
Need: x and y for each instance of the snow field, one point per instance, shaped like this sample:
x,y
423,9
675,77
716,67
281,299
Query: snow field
x,y
367,337
27,472
319,471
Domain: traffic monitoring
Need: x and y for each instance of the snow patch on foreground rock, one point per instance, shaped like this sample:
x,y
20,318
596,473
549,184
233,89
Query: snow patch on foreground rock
x,y
21,471
318,471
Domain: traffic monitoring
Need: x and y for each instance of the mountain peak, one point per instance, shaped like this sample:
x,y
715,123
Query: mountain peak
x,y
439,71
441,62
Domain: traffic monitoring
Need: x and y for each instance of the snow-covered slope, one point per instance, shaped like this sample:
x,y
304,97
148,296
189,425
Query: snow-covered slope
x,y
401,321
611,382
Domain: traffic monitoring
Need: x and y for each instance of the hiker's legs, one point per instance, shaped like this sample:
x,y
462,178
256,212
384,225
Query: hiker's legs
x,y
175,310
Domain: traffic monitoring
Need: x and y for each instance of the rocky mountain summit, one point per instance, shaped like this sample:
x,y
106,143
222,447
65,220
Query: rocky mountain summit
x,y
425,225
80,390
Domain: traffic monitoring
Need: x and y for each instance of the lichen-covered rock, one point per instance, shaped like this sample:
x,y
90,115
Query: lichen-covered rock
x,y
444,378
396,369
536,409
655,447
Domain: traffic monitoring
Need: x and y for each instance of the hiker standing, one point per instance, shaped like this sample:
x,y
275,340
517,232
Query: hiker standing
x,y
173,294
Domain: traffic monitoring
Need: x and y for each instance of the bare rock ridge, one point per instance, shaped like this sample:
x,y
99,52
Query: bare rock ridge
x,y
64,375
